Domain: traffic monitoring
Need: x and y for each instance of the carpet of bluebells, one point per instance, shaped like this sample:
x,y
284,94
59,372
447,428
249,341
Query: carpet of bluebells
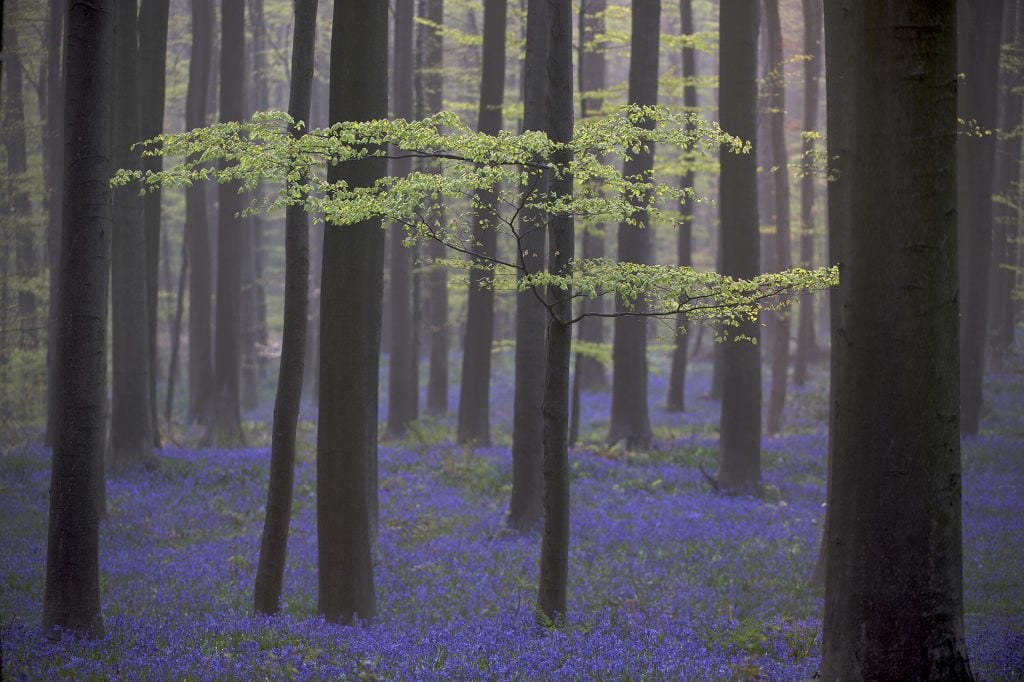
x,y
668,581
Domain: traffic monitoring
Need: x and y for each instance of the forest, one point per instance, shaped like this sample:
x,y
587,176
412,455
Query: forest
x,y
511,340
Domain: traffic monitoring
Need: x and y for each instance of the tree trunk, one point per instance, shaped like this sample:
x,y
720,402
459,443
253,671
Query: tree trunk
x,y
350,319
893,596
403,401
676,400
54,169
152,72
739,464
224,426
526,504
131,418
274,542
978,59
72,590
630,418
179,312
780,193
806,343
475,390
554,553
197,231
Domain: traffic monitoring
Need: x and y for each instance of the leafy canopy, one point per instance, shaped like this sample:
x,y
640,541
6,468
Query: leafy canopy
x,y
499,180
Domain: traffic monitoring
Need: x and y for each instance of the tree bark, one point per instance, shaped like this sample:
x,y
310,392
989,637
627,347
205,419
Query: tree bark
x,y
978,59
526,504
72,589
893,596
131,417
274,541
224,426
554,553
739,464
630,418
475,390
403,401
806,342
350,319
54,174
780,194
676,399
197,231
152,73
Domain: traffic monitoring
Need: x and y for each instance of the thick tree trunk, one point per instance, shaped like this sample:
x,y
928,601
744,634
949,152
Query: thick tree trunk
x,y
739,464
152,72
780,194
403,401
224,426
554,552
806,343
72,590
274,542
475,390
197,231
350,318
893,596
676,399
978,60
54,175
131,418
526,503
630,418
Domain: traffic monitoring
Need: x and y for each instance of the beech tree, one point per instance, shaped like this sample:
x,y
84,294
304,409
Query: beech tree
x,y
71,600
893,593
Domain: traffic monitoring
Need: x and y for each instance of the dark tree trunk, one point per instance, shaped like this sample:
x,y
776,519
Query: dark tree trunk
x,y
554,552
436,277
179,312
978,59
526,504
630,418
350,318
403,401
152,69
806,343
54,175
72,595
274,542
224,426
131,417
893,596
780,194
739,465
676,399
475,390
1007,212
17,203
197,231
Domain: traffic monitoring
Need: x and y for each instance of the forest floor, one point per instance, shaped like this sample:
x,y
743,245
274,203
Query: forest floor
x,y
667,579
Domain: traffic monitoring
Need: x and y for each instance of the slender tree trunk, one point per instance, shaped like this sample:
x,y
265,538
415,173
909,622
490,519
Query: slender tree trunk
x,y
978,55
475,390
350,318
152,69
780,193
179,311
739,465
274,542
676,400
54,169
131,418
630,418
71,599
893,595
806,343
197,231
224,426
403,401
526,504
554,553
